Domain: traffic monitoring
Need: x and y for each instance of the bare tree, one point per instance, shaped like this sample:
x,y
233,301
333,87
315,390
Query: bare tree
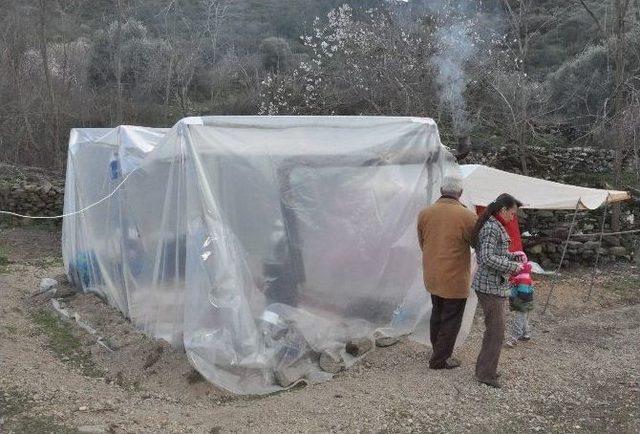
x,y
518,19
615,117
168,39
620,12
117,60
15,45
592,15
216,13
53,115
189,52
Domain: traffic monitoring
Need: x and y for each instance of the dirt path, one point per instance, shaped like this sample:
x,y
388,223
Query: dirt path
x,y
580,373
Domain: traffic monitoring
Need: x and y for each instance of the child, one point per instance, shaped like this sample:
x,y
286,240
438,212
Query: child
x,y
521,302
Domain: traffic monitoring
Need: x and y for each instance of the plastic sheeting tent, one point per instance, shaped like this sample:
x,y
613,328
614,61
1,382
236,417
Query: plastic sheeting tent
x,y
257,243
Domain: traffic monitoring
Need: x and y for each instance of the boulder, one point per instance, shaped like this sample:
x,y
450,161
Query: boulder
x,y
359,346
618,251
385,337
546,264
592,245
286,376
575,245
611,241
545,214
47,284
536,250
94,429
560,233
332,363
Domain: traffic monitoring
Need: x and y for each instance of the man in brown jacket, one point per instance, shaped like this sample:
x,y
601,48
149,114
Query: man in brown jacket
x,y
444,233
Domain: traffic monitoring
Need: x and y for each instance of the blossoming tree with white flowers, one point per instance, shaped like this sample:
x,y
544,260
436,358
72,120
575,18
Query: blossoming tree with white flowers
x,y
362,65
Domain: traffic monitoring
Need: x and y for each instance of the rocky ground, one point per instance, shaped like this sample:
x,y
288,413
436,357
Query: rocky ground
x,y
580,373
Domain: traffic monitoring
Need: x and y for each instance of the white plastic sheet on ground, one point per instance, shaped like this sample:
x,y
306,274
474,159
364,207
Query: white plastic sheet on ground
x,y
257,243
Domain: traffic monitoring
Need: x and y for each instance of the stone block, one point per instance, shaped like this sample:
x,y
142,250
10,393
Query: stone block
x,y
385,338
611,241
592,245
618,251
332,363
286,376
536,250
359,346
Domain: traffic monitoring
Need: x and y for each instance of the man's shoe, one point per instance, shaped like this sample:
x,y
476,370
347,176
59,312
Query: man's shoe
x,y
451,363
524,338
510,343
491,383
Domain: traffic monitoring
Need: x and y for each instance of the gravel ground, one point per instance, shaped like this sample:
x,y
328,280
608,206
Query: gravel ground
x,y
579,373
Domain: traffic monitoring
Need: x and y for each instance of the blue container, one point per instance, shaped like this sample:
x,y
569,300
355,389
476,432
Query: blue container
x,y
114,167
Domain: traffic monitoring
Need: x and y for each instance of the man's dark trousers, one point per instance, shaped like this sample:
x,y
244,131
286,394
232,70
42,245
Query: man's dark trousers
x,y
446,319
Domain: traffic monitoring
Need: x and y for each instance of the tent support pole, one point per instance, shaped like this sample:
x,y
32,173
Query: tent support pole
x,y
564,252
595,266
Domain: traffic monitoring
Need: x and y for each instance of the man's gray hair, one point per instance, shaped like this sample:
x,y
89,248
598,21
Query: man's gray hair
x,y
452,184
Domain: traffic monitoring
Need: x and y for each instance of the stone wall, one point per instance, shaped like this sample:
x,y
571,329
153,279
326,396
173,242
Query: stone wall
x,y
30,191
549,230
583,165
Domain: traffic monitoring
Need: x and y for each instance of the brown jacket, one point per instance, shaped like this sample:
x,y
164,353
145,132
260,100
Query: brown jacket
x,y
444,233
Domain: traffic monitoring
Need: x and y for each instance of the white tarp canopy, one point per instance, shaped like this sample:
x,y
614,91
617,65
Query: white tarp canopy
x,y
482,184
257,243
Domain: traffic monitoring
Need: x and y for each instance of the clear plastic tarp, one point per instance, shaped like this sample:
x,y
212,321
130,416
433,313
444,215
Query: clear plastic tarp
x,y
273,249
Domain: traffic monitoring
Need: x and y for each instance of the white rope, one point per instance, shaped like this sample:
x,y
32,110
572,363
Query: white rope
x,y
75,212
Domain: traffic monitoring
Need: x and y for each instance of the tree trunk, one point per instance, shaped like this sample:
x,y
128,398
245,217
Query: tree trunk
x,y
618,117
523,152
636,158
167,88
522,142
118,66
17,81
53,118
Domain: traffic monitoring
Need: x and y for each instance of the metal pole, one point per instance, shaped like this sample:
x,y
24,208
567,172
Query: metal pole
x,y
595,267
564,252
606,234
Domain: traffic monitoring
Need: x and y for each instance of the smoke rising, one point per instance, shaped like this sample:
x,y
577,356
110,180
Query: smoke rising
x,y
453,38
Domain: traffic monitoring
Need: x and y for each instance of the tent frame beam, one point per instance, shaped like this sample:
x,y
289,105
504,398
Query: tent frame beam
x,y
285,171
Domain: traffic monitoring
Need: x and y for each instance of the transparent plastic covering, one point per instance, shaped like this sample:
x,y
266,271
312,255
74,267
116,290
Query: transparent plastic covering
x,y
273,249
